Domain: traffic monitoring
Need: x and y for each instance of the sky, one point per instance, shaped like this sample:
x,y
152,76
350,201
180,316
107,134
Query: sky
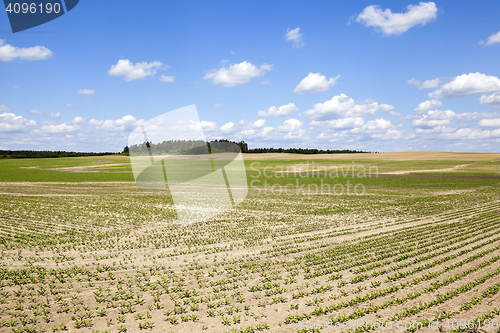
x,y
383,76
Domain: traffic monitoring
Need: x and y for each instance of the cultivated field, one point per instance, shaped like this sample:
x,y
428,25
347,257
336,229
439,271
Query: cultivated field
x,y
355,238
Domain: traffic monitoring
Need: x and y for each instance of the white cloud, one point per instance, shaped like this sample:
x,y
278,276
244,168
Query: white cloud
x,y
219,105
491,100
378,125
192,126
294,36
207,125
495,38
292,128
33,111
259,123
9,52
236,74
131,72
379,129
342,106
475,116
69,105
396,23
342,123
61,128
79,120
56,115
167,78
428,84
85,92
265,82
228,127
414,82
4,108
462,135
9,122
466,85
427,105
125,123
290,125
349,132
389,134
283,110
490,122
315,82
434,118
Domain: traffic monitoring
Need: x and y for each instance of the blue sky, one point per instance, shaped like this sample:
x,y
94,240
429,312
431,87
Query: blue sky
x,y
376,76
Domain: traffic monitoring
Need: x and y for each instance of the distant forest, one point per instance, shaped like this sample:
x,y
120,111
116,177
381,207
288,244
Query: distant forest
x,y
46,154
175,147
215,146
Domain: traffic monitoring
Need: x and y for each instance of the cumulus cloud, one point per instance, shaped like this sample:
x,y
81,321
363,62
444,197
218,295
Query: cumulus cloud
x,y
493,39
259,123
125,123
342,123
9,122
462,134
491,100
167,78
131,72
434,118
79,120
4,108
354,130
55,115
9,52
228,127
295,36
315,82
475,116
33,111
397,23
378,129
283,110
292,128
192,126
218,105
427,105
236,74
466,85
60,128
428,84
490,122
379,124
86,92
342,106
68,105
290,125
206,125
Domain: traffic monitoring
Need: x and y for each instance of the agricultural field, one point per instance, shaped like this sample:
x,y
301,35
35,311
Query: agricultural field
x,y
341,240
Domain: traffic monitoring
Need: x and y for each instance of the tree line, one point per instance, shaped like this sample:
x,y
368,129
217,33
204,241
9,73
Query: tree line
x,y
175,147
195,147
47,154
